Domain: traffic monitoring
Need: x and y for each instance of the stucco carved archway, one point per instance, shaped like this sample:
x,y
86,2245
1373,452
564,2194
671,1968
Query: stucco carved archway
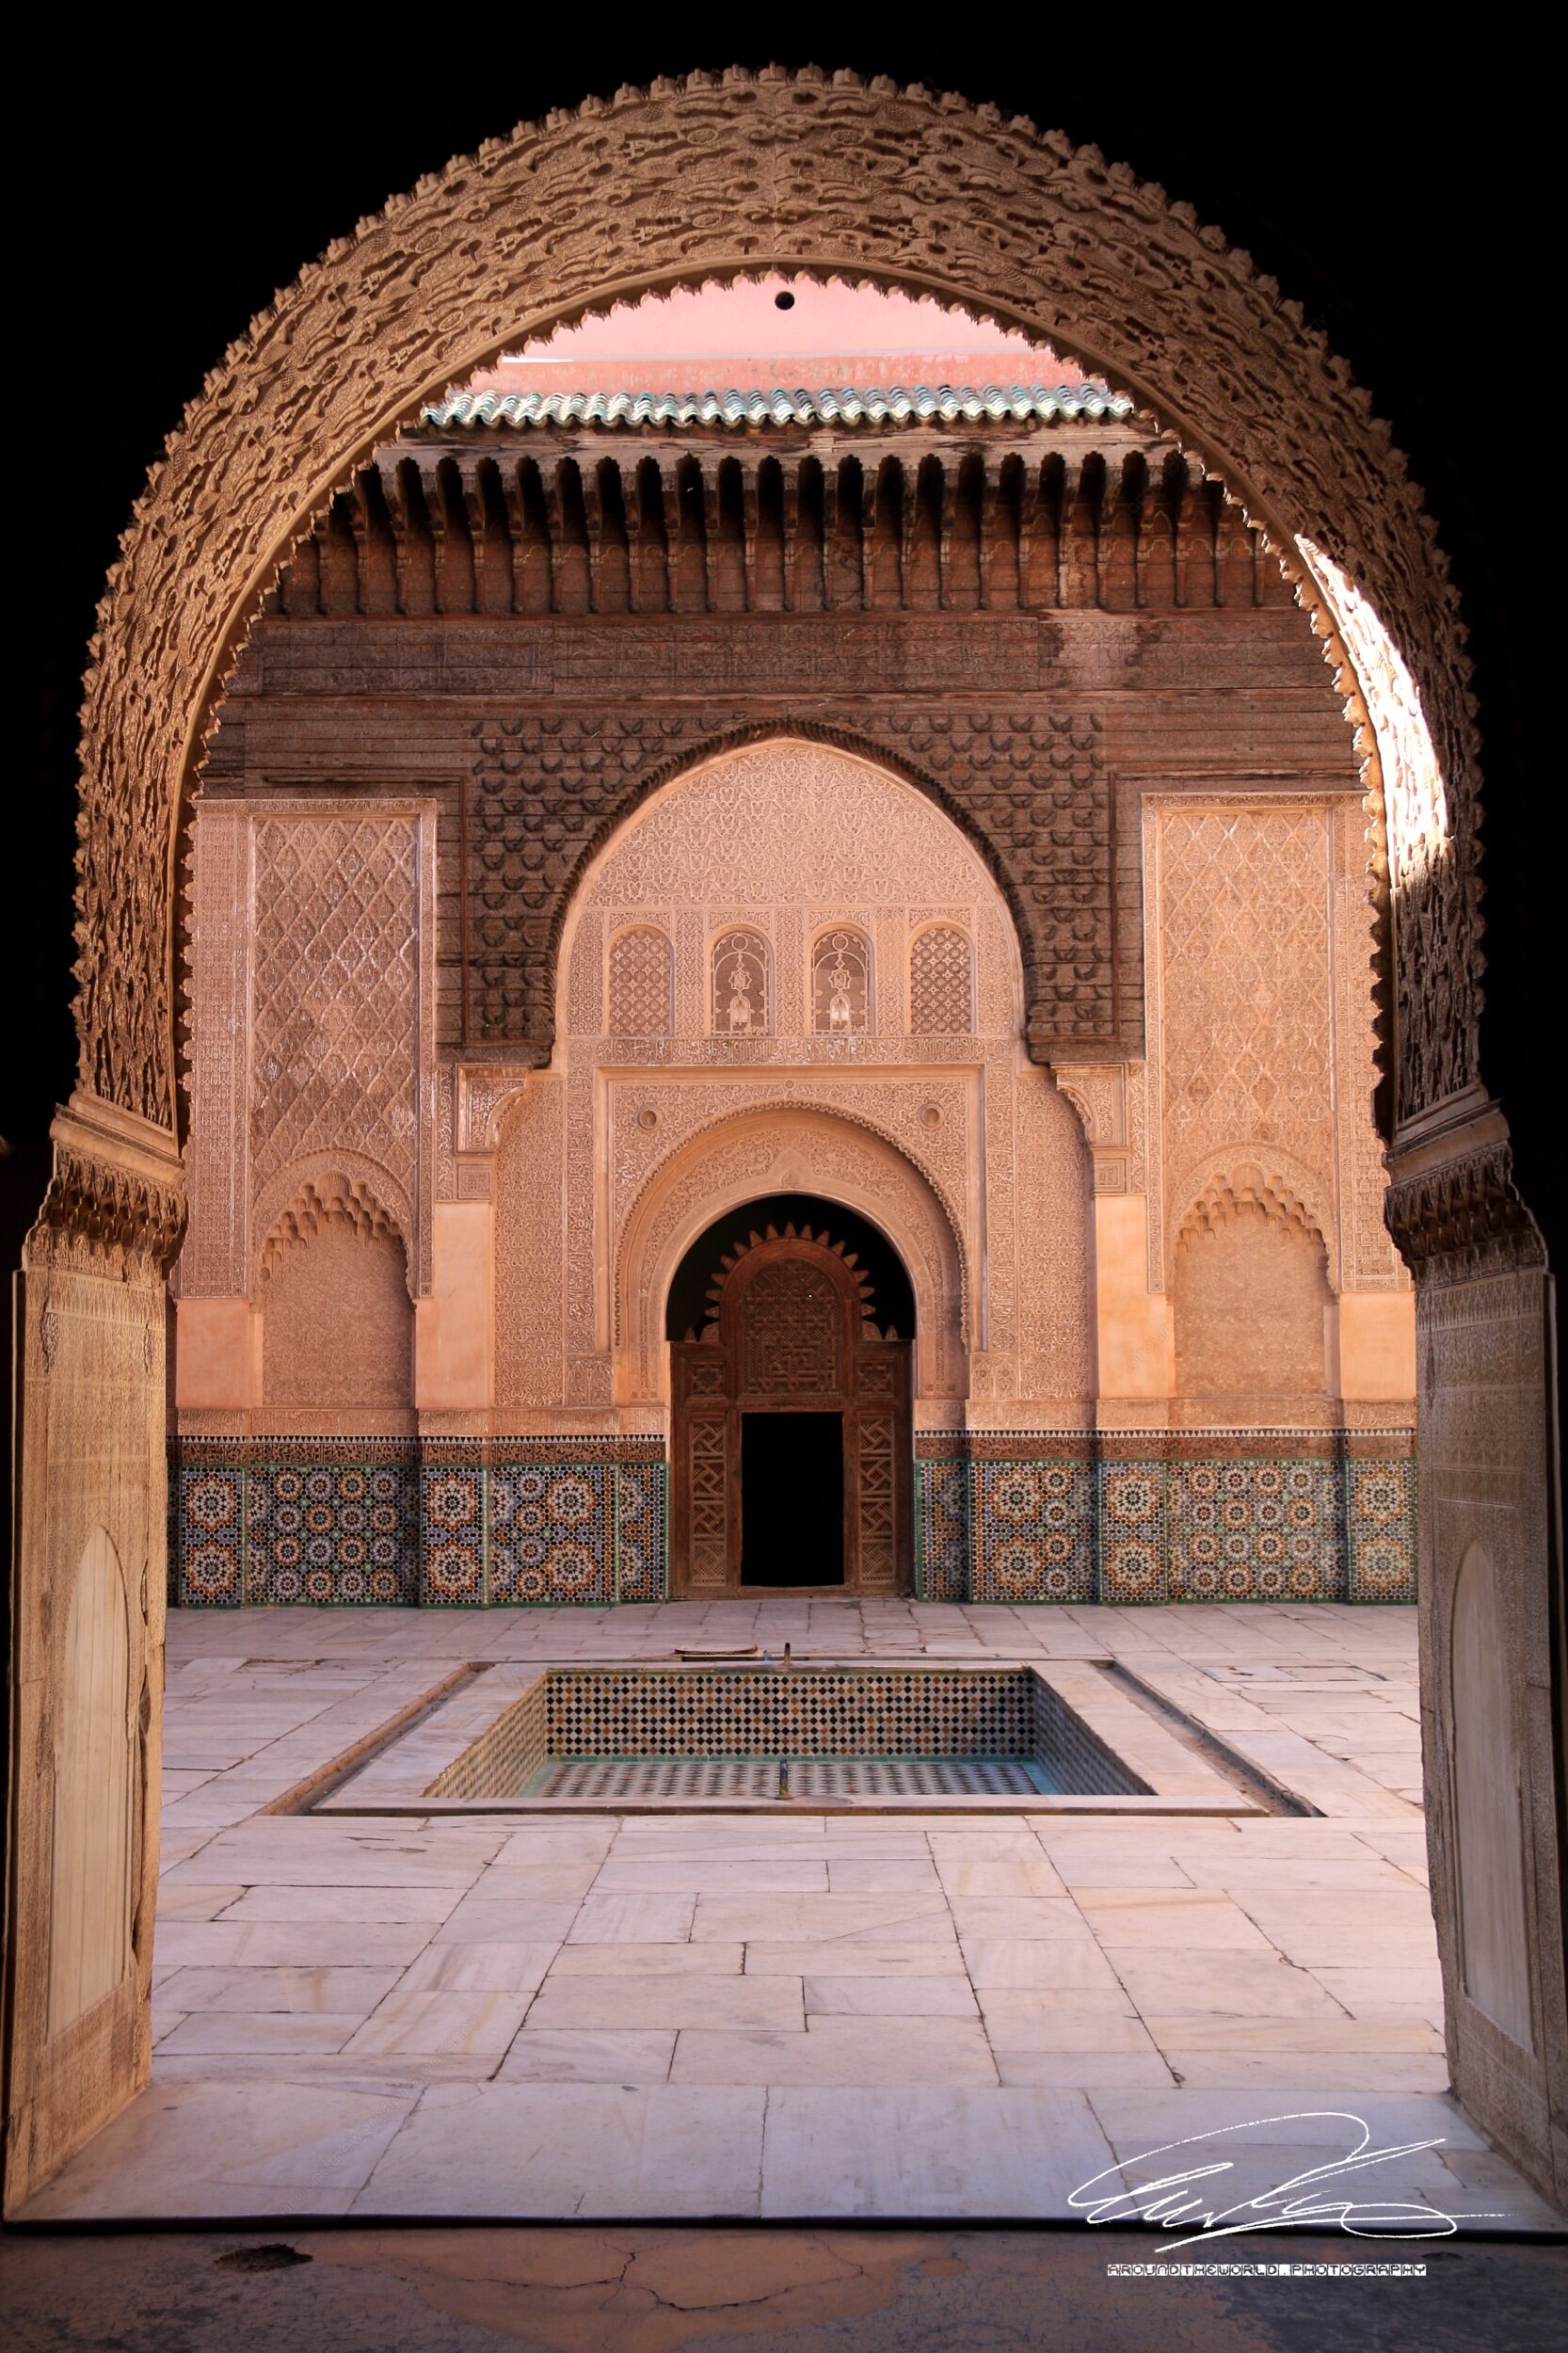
x,y
710,178
786,1150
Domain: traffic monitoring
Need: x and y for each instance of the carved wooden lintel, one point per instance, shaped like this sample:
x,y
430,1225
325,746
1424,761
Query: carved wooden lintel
x,y
116,1199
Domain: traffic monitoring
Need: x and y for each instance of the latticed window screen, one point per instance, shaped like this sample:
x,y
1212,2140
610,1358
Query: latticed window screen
x,y
840,983
641,965
740,1007
941,983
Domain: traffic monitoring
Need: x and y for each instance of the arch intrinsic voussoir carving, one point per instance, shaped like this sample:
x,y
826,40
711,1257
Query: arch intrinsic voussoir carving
x,y
777,1148
729,175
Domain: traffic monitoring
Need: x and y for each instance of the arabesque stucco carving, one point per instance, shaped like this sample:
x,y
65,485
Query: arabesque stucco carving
x,y
713,178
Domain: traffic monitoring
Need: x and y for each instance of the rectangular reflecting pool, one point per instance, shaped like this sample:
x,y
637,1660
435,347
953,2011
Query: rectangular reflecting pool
x,y
609,1734
754,1737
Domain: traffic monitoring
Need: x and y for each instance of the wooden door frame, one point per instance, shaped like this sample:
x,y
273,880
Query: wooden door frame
x,y
836,1362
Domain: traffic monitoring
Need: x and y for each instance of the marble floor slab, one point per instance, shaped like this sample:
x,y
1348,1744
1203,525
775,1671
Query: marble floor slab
x,y
837,2051
565,2149
891,1997
927,2151
227,2149
677,1999
816,2018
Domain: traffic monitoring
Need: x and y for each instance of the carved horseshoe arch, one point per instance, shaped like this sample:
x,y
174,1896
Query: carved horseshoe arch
x,y
790,1331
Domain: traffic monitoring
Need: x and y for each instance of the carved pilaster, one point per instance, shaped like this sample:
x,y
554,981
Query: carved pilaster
x,y
88,1609
1490,1578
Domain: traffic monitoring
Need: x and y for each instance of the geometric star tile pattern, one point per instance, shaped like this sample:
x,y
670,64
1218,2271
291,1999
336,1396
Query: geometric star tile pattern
x,y
1250,1516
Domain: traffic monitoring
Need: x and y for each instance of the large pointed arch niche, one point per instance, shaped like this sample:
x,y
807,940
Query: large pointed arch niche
x,y
752,855
776,844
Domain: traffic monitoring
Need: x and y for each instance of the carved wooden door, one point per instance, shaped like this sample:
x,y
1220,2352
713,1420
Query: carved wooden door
x,y
790,1329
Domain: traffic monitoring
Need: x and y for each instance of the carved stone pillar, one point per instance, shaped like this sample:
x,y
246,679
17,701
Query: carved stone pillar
x,y
1492,1667
87,1594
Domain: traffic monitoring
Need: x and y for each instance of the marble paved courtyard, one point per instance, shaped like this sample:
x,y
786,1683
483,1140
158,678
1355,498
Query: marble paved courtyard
x,y
817,2016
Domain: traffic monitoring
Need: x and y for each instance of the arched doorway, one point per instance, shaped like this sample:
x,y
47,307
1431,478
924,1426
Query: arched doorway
x,y
790,1424
883,184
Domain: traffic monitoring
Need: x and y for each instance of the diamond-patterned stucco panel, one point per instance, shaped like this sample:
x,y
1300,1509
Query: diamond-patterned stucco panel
x,y
1242,994
335,989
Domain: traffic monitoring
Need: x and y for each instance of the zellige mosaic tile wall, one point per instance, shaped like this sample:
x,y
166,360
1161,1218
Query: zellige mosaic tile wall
x,y
1005,1516
1169,1515
447,1523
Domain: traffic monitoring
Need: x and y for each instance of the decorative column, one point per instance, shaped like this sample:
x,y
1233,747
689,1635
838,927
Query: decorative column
x,y
88,1588
1135,1343
1491,1598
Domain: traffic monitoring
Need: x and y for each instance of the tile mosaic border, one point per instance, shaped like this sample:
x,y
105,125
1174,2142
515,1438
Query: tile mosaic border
x,y
1015,1516
453,1525
1189,1516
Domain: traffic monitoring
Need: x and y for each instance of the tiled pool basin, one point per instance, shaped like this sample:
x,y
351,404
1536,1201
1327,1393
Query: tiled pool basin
x,y
820,1738
605,1733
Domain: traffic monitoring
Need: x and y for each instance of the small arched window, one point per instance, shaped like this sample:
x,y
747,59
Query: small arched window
x,y
941,983
741,999
841,984
642,970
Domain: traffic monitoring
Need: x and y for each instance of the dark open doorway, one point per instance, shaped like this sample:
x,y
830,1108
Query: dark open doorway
x,y
789,1417
792,1498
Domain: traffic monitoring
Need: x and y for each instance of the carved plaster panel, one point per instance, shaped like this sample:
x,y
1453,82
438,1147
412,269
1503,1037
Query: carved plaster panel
x,y
1098,1092
214,1261
330,1174
313,1020
841,998
530,1264
582,1214
1436,949
941,981
641,975
852,833
1055,1245
585,981
740,964
1371,1261
752,819
1141,1175
1239,907
929,1120
341,996
444,1131
691,978
486,1093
